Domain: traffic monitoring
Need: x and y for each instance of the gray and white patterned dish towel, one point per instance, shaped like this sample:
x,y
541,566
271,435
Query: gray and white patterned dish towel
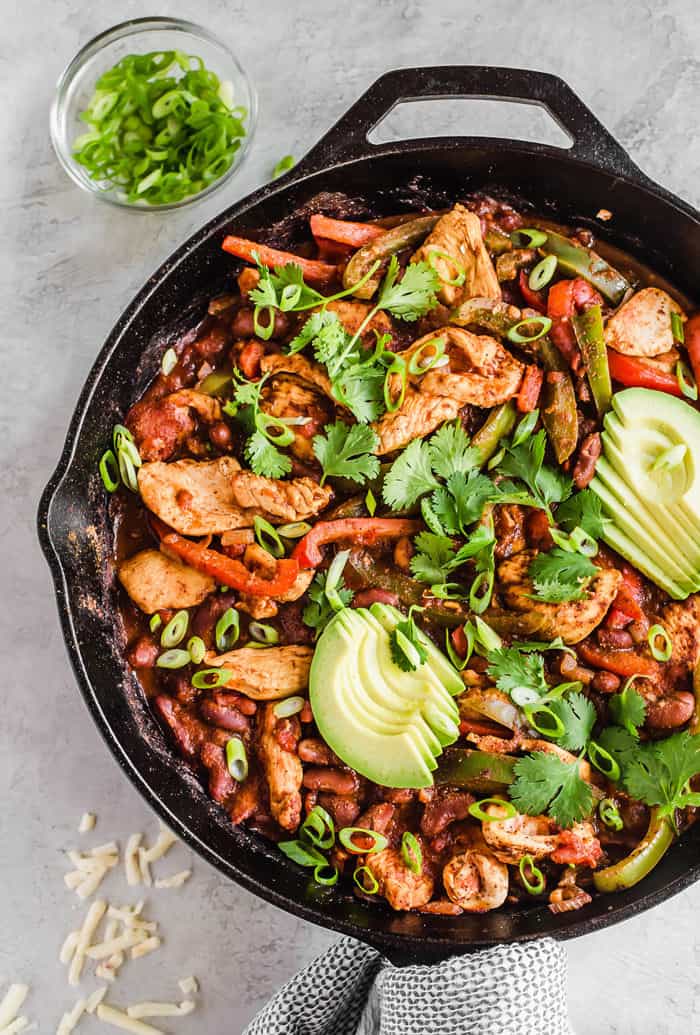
x,y
352,990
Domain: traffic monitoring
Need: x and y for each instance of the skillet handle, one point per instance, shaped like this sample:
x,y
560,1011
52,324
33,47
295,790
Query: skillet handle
x,y
591,141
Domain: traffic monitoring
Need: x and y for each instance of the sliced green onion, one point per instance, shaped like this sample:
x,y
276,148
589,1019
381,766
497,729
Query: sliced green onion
x,y
481,591
459,662
370,503
552,727
155,622
610,814
670,458
120,435
525,428
288,707
603,761
476,809
302,854
264,633
531,876
461,275
448,591
533,238
322,877
173,659
418,365
318,828
542,273
196,649
411,852
127,447
584,543
333,577
283,166
268,537
289,297
543,322
168,362
365,880
555,692
237,759
228,629
524,696
264,331
209,678
398,367
408,649
295,530
662,653
127,471
175,630
686,381
274,429
109,471
562,539
347,834
487,637
677,328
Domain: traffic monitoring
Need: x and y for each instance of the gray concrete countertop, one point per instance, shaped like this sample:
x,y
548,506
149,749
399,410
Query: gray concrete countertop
x,y
68,266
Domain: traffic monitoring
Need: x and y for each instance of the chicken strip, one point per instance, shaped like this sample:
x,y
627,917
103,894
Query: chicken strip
x,y
480,370
265,675
202,497
418,415
156,582
288,397
642,326
458,236
160,426
282,769
572,620
682,623
352,315
400,886
300,366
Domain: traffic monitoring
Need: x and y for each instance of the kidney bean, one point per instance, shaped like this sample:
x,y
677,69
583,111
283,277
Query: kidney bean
x,y
606,682
213,343
399,795
188,731
221,783
639,630
614,639
343,809
336,781
378,817
223,715
671,711
143,653
287,733
306,714
444,809
248,279
367,597
220,435
208,613
316,752
588,454
234,700
242,323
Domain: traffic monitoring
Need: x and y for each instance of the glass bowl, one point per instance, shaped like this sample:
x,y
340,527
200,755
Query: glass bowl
x,y
140,36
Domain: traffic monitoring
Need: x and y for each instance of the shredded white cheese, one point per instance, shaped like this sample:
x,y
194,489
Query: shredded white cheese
x,y
176,880
87,822
143,948
94,1000
19,1024
144,868
85,935
12,1003
114,946
164,842
189,985
131,860
153,1009
122,1020
68,947
69,1021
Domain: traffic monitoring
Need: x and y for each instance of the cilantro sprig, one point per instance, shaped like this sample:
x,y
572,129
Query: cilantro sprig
x,y
560,575
525,462
659,773
545,783
407,651
328,594
346,451
263,455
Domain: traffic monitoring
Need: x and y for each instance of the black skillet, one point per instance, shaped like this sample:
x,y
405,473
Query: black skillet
x,y
571,184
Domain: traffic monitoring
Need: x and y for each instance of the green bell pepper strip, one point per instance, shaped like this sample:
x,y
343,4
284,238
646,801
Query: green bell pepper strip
x,y
498,424
487,313
476,770
635,866
404,236
588,327
576,261
558,408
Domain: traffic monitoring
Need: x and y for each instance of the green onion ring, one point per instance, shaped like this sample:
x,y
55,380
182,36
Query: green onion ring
x,y
411,852
584,543
524,696
458,662
288,706
448,591
227,630
155,622
525,428
302,854
677,328
326,881
127,471
476,809
532,711
109,471
318,828
481,591
196,649
209,678
120,434
659,653
169,361
543,322
265,422
603,761
267,536
295,530
360,878
496,459
415,367
542,273
175,630
236,759
173,659
398,367
610,814
534,238
263,633
487,637
346,835
536,886
127,447
265,331
461,272
289,297
562,539
686,381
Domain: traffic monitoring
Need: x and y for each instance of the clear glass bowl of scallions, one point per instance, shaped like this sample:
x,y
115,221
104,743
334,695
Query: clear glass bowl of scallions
x,y
153,114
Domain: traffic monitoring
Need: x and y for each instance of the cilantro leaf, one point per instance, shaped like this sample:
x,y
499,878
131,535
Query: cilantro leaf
x,y
433,560
450,451
270,288
618,742
409,477
346,452
526,462
311,330
265,458
406,649
511,669
559,575
318,613
361,388
578,715
628,710
584,510
549,591
544,783
658,773
461,502
412,296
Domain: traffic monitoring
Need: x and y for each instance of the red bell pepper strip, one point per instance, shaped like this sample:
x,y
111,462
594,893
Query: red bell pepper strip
x,y
230,572
361,531
315,272
634,373
691,333
535,299
622,662
530,389
343,231
564,300
459,641
483,728
627,605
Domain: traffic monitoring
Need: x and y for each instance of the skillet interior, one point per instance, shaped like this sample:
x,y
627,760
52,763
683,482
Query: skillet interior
x,y
75,533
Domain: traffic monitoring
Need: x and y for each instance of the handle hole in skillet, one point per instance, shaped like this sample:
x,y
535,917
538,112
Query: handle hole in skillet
x,y
469,116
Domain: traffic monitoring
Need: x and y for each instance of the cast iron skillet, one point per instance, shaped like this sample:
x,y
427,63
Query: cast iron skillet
x,y
74,531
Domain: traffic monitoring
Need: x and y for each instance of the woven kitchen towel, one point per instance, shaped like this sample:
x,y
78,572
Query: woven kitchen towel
x,y
352,990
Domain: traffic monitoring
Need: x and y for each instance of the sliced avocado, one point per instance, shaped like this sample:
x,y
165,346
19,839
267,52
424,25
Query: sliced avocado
x,y
449,676
627,549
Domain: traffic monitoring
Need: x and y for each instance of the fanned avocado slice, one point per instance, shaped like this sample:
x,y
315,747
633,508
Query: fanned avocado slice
x,y
440,665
